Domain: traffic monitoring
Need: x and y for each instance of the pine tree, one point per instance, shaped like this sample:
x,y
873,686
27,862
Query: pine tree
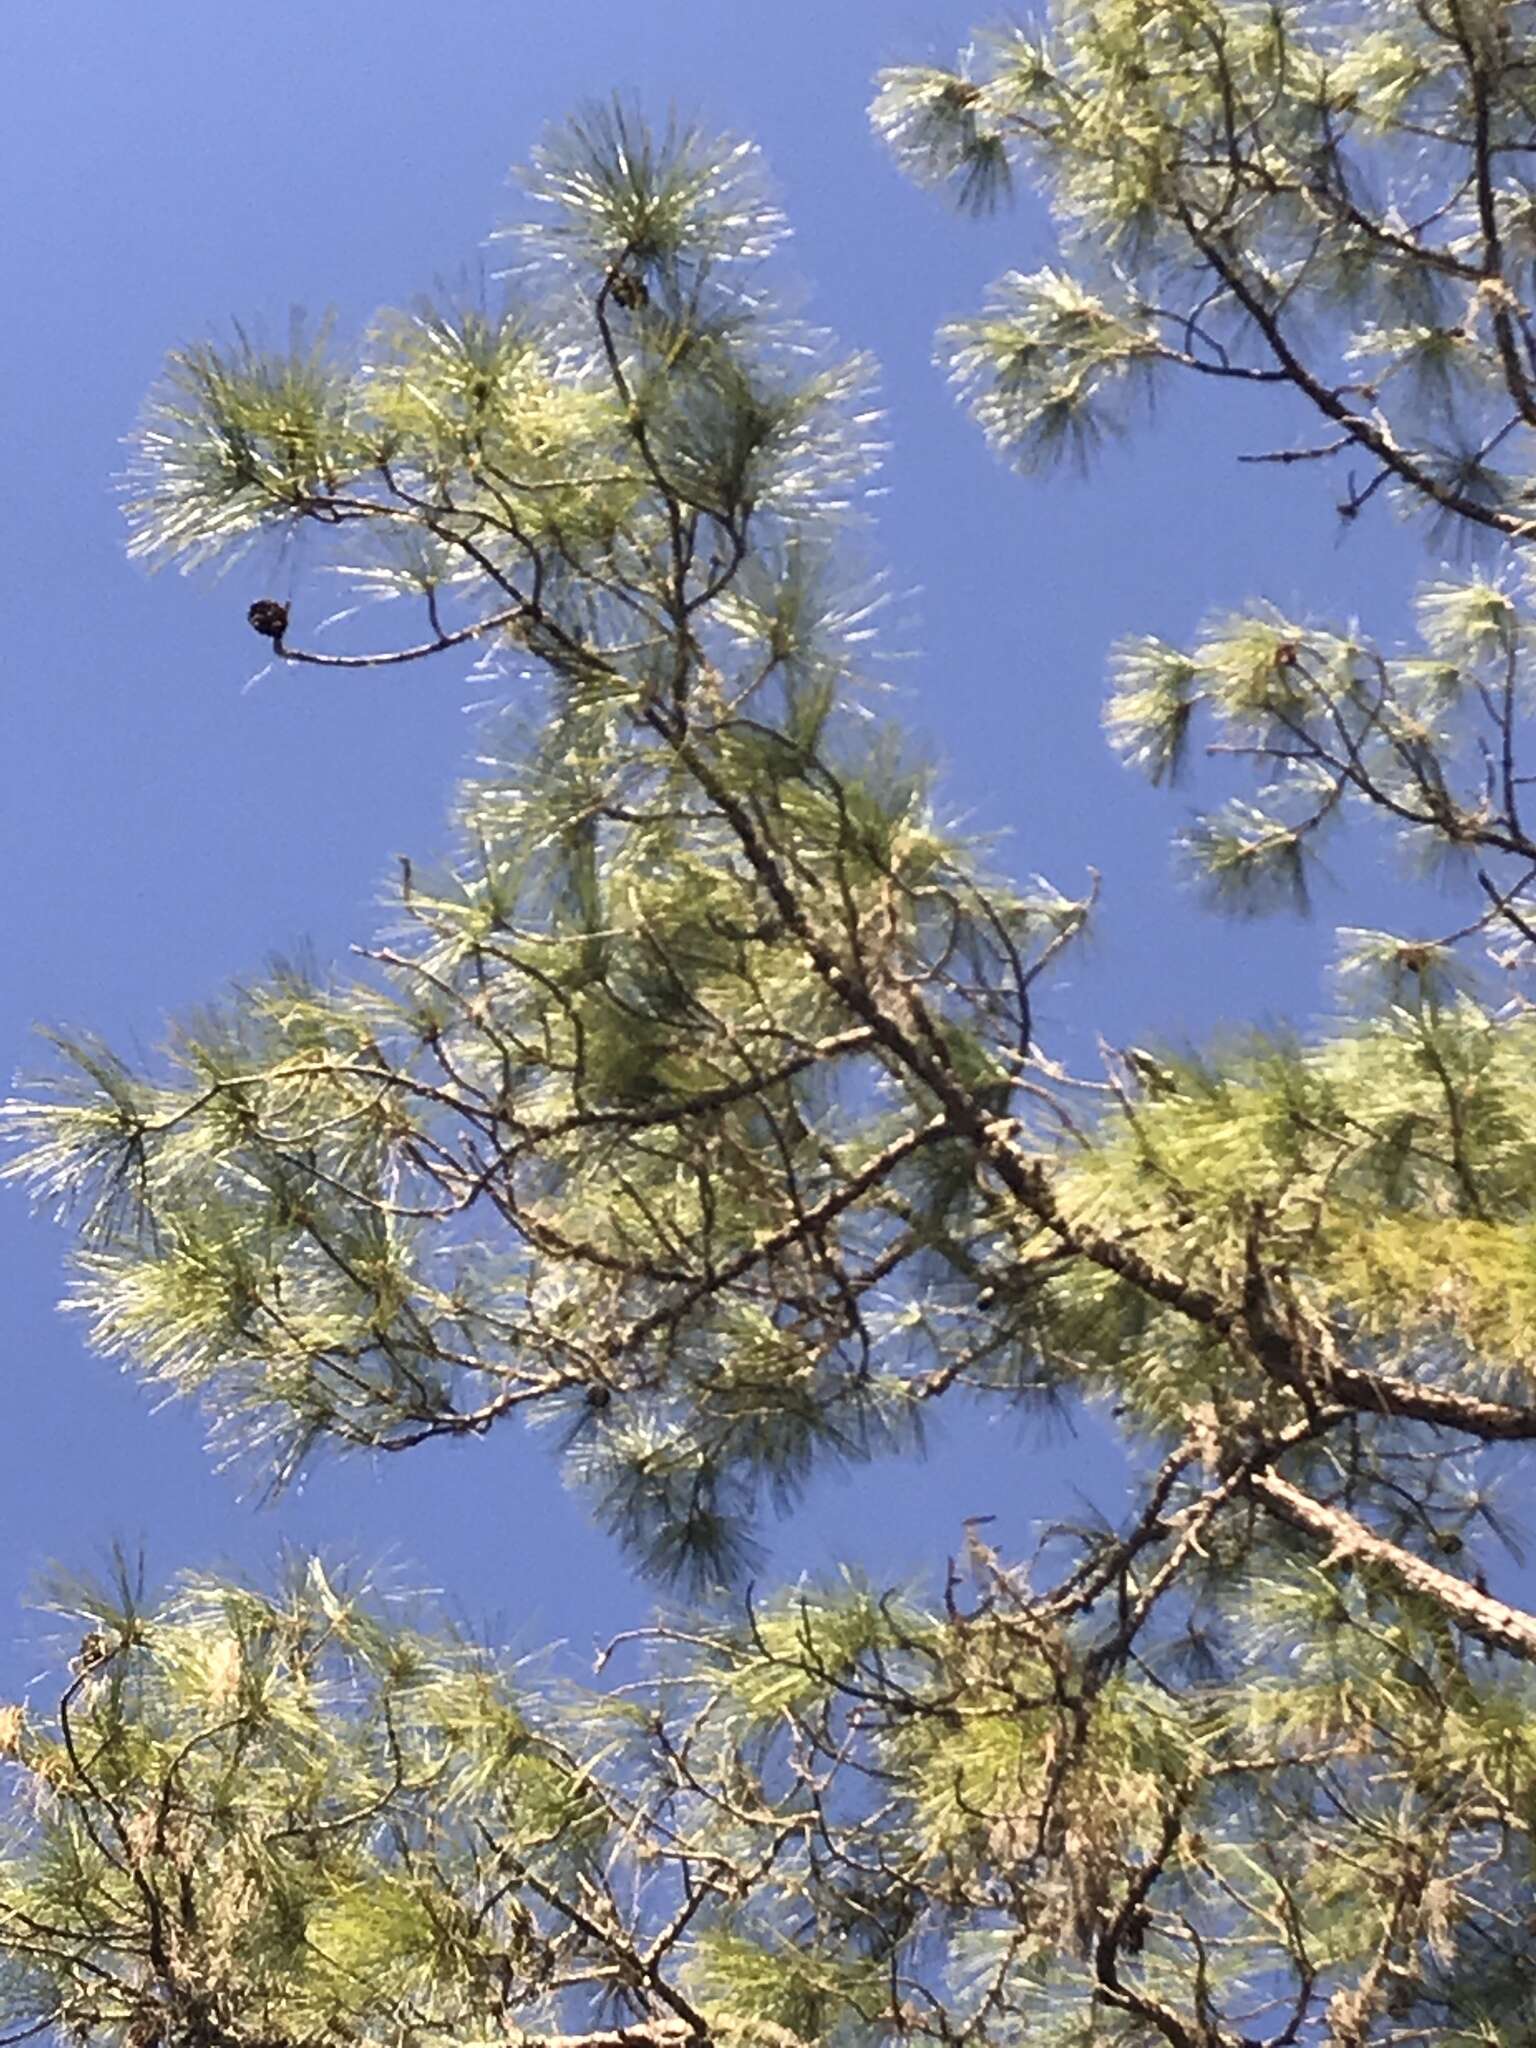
x,y
695,1107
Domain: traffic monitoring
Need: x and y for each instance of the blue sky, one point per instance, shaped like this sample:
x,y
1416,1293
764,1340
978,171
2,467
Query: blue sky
x,y
170,166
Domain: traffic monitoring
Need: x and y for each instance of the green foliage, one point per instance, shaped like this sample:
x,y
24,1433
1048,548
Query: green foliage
x,y
297,1813
278,1808
1043,364
1249,193
677,203
696,1108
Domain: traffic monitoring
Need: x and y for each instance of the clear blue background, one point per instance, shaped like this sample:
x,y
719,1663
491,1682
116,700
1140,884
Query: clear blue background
x,y
170,165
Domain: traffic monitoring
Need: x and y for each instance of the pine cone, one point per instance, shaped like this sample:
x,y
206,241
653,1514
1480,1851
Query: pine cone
x,y
630,290
269,618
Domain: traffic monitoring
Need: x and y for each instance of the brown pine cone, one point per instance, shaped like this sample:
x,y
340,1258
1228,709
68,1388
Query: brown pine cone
x,y
269,618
